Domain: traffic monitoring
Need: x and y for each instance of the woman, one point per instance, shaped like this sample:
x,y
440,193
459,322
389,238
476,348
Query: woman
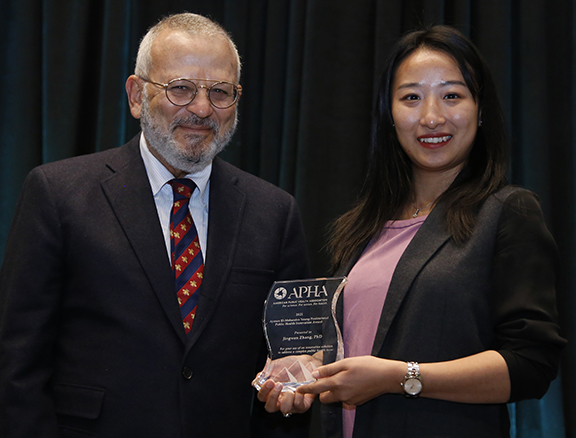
x,y
449,312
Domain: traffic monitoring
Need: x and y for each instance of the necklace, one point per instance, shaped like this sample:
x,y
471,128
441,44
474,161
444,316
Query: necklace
x,y
418,209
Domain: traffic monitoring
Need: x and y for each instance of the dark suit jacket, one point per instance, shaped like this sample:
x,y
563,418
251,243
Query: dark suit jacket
x,y
447,301
91,338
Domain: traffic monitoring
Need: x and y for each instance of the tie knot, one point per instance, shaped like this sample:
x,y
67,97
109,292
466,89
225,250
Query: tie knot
x,y
182,187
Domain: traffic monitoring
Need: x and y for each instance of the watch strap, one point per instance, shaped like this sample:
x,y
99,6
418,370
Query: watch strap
x,y
413,373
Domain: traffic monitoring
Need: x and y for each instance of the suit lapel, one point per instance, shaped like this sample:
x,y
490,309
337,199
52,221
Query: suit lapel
x,y
431,236
130,196
224,223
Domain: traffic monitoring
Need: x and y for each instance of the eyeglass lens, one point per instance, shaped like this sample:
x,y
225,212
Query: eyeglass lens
x,y
220,94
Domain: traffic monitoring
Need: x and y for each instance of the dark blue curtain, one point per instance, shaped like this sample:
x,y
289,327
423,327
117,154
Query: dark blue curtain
x,y
63,64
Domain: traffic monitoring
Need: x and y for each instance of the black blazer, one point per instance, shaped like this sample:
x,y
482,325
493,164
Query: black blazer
x,y
447,301
91,338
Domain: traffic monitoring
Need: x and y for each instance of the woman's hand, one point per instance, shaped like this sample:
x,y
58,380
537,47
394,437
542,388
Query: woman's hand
x,y
479,378
287,402
270,389
356,380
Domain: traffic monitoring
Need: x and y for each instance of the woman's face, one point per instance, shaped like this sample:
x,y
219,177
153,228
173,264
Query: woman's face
x,y
435,115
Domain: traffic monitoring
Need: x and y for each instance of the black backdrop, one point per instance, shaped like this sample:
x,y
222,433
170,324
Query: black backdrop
x,y
63,64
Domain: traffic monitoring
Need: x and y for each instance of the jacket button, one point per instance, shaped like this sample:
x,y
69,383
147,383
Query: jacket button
x,y
187,373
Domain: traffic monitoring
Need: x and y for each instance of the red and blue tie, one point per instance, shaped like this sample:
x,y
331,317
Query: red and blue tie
x,y
187,260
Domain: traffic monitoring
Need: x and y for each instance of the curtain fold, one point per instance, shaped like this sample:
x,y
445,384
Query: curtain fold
x,y
309,74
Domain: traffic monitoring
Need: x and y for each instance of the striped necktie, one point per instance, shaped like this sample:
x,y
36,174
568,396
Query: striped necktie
x,y
187,260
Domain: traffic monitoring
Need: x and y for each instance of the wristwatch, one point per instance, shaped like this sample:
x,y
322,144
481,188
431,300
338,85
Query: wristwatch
x,y
412,384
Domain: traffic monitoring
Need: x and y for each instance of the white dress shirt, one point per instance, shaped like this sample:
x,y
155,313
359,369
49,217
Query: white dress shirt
x,y
159,176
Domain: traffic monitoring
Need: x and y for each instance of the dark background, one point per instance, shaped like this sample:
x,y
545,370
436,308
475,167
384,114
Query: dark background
x,y
308,78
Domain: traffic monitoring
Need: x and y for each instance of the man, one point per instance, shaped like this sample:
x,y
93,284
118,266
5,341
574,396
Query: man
x,y
93,340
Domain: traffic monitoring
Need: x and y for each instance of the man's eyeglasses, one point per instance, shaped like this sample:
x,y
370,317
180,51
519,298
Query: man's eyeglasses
x,y
181,91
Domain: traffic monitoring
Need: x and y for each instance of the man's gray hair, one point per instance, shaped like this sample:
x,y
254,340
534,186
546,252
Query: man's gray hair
x,y
193,24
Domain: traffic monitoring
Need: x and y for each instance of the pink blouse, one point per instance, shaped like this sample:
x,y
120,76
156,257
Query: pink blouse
x,y
365,293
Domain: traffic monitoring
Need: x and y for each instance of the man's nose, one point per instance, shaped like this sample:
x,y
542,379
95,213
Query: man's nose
x,y
201,105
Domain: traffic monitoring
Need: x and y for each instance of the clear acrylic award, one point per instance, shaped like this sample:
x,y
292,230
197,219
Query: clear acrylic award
x,y
301,330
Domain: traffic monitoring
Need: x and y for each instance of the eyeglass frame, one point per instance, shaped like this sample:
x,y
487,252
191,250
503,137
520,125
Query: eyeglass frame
x,y
208,88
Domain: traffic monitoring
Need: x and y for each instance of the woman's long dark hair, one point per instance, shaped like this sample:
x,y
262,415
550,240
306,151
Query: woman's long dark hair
x,y
388,183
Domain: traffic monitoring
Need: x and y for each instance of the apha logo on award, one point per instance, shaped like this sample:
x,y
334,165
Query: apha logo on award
x,y
302,292
280,293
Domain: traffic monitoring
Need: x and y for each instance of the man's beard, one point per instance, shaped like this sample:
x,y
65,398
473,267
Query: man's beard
x,y
197,153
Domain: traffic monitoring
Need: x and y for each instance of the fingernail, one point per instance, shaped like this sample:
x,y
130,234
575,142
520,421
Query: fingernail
x,y
315,374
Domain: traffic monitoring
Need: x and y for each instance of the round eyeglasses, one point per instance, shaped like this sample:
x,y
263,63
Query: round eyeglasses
x,y
182,91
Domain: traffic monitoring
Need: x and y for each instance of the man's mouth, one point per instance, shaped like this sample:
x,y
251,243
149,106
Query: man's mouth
x,y
194,127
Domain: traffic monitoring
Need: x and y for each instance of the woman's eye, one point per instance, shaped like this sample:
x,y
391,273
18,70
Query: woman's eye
x,y
452,96
411,97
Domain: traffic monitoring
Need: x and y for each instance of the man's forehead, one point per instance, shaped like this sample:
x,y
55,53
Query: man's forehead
x,y
176,47
181,40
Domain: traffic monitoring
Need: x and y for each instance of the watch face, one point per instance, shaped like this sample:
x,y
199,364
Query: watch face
x,y
413,386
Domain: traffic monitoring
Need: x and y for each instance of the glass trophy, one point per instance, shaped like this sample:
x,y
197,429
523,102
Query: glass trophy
x,y
301,330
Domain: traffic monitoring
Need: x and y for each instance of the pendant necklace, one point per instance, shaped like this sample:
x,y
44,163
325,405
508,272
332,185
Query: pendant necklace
x,y
418,209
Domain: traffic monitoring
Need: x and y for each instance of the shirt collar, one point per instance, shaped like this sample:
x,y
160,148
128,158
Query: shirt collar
x,y
159,175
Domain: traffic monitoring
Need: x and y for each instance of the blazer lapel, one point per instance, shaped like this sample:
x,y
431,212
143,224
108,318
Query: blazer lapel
x,y
130,196
224,223
431,236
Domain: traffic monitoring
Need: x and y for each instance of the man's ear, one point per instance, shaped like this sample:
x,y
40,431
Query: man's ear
x,y
134,90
